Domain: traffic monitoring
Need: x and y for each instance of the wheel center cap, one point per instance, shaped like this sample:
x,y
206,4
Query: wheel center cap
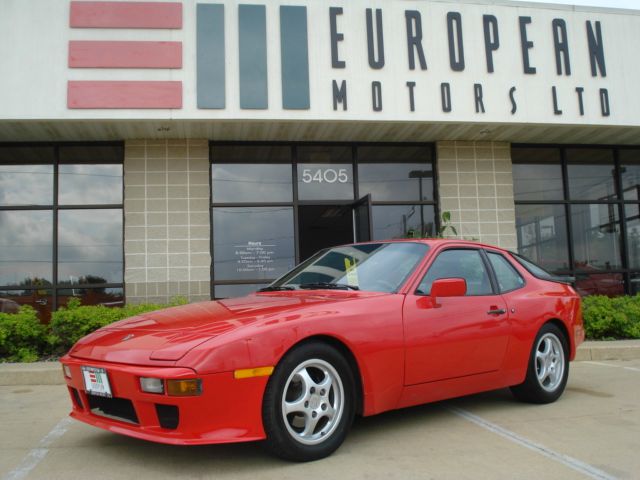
x,y
314,401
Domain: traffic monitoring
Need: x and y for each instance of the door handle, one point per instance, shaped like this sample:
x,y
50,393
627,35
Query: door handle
x,y
497,311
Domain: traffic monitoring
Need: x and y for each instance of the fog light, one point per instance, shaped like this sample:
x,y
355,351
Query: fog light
x,y
66,370
184,388
152,385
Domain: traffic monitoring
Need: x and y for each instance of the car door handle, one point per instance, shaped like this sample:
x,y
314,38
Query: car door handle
x,y
497,311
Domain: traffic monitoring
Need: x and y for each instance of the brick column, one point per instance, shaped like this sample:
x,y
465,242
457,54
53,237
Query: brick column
x,y
167,229
475,184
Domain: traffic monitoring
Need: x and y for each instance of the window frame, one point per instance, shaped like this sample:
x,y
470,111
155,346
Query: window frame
x,y
619,203
515,270
296,202
485,261
55,208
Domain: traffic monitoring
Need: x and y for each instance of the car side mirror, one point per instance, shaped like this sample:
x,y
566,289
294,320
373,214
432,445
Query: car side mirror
x,y
448,287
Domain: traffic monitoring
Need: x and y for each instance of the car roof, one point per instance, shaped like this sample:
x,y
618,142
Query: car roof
x,y
434,242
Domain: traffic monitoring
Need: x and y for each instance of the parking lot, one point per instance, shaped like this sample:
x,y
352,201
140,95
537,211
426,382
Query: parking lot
x,y
593,431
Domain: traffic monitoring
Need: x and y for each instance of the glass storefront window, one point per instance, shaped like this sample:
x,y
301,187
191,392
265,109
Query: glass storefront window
x,y
542,235
26,184
396,182
591,174
251,182
251,243
603,261
630,173
537,174
596,237
89,184
396,173
26,244
89,246
88,241
266,153
402,221
307,201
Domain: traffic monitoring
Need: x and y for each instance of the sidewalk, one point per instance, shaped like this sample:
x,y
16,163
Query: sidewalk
x,y
50,373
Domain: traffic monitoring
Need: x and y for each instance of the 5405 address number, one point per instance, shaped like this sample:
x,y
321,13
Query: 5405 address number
x,y
325,175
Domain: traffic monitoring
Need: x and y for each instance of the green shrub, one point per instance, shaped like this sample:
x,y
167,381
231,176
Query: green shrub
x,y
69,324
22,337
611,318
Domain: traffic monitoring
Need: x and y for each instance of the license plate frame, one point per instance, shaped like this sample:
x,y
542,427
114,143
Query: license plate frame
x,y
96,381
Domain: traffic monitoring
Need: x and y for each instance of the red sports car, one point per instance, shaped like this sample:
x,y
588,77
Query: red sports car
x,y
356,329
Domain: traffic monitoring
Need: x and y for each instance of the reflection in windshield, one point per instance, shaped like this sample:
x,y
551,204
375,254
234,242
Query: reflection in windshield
x,y
376,267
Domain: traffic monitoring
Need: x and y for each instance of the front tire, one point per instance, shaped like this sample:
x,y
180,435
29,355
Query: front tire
x,y
309,403
548,368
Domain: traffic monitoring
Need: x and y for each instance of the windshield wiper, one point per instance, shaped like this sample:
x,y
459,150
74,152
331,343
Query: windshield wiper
x,y
275,289
328,286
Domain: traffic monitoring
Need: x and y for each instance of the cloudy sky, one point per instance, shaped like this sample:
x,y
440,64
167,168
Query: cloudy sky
x,y
632,4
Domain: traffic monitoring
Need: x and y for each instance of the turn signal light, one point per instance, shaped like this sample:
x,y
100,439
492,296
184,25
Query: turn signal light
x,y
184,388
66,370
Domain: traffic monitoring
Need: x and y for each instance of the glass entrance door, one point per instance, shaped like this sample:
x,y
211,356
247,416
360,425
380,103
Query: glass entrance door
x,y
322,226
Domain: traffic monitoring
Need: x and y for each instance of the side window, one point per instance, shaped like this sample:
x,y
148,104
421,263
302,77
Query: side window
x,y
465,264
508,278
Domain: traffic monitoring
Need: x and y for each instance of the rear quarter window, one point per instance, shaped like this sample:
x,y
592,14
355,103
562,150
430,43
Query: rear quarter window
x,y
508,278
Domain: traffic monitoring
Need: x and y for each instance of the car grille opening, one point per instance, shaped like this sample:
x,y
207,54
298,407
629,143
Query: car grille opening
x,y
115,408
168,416
76,397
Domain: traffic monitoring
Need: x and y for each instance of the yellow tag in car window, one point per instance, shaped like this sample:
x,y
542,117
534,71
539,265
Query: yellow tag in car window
x,y
352,273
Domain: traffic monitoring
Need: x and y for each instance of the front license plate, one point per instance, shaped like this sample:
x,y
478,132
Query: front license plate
x,y
96,381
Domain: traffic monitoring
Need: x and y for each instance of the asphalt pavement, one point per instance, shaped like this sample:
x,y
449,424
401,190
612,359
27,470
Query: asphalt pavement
x,y
593,431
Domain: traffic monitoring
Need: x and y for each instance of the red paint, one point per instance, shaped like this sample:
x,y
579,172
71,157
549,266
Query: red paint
x,y
407,349
125,15
119,54
124,94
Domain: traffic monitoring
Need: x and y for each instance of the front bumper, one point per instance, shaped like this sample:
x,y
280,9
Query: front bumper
x,y
228,410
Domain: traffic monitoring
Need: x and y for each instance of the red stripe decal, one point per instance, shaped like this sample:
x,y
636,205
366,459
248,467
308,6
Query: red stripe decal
x,y
117,54
125,15
124,94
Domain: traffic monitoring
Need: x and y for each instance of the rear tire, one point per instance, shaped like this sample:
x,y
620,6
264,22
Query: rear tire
x,y
309,403
548,368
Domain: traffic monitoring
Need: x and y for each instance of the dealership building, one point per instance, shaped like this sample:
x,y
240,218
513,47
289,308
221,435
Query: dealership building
x,y
203,148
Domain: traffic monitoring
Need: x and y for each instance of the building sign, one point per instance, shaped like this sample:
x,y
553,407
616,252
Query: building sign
x,y
321,60
252,55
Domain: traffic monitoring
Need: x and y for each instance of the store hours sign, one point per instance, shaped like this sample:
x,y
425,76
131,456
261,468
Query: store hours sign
x,y
255,257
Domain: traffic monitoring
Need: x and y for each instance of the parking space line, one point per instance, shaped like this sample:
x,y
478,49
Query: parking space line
x,y
35,455
632,369
566,460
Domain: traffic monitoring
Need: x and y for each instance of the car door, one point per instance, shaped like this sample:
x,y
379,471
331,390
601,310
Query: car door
x,y
456,336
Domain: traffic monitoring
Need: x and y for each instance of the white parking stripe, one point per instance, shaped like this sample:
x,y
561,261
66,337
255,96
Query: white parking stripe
x,y
35,455
566,460
633,369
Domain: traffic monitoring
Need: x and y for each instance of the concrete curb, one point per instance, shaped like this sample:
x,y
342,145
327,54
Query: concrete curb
x,y
37,373
613,350
50,373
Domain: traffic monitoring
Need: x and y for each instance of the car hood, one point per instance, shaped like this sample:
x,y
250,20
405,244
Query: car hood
x,y
165,336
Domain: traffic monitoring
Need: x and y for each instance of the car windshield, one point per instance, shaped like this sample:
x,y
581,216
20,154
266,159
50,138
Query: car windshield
x,y
375,267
